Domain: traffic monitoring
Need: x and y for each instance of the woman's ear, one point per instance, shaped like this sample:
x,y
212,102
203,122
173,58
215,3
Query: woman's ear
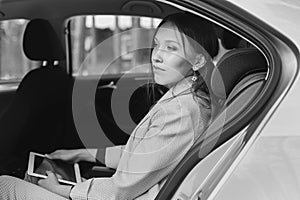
x,y
200,61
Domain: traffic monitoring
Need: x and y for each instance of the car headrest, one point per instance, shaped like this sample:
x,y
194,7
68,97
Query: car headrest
x,y
233,67
41,42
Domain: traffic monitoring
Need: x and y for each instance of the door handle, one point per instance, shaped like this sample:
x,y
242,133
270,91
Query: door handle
x,y
111,85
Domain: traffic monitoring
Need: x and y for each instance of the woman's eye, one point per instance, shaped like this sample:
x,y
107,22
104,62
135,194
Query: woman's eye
x,y
171,48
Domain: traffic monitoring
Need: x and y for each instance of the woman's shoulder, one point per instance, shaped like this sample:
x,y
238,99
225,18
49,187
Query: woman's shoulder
x,y
184,102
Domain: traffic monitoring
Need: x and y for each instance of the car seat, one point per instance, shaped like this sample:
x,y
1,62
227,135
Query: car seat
x,y
243,72
34,120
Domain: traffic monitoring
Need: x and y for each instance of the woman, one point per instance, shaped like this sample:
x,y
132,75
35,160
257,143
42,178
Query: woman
x,y
181,60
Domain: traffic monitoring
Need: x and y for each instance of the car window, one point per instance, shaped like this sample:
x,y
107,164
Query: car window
x,y
13,62
109,44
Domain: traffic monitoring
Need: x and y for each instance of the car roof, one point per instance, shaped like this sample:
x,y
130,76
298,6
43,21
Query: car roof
x,y
51,9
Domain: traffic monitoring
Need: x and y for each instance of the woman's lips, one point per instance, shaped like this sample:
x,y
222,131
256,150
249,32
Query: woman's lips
x,y
158,68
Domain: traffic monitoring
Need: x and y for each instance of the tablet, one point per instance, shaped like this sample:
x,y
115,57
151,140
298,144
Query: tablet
x,y
66,173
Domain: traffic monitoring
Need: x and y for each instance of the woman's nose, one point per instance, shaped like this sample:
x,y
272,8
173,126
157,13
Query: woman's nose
x,y
156,56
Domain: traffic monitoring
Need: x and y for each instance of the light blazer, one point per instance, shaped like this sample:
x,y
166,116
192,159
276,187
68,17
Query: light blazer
x,y
153,150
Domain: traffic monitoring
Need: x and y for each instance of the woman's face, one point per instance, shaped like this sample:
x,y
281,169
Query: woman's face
x,y
169,59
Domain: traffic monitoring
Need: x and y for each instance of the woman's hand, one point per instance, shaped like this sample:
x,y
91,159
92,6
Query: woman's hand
x,y
31,179
51,183
73,156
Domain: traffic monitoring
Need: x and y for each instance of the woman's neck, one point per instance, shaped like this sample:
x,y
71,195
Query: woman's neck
x,y
181,85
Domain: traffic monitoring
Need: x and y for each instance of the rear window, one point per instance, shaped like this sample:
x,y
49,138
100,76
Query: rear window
x,y
13,62
109,44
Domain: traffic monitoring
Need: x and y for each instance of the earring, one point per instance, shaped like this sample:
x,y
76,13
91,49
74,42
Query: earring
x,y
195,75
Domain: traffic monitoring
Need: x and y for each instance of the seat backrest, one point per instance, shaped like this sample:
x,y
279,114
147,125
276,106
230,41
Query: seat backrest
x,y
233,67
35,111
240,77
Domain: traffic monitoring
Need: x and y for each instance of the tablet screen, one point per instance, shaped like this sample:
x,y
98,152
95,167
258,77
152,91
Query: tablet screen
x,y
39,164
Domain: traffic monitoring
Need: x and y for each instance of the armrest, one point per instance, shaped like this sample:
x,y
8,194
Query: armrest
x,y
99,171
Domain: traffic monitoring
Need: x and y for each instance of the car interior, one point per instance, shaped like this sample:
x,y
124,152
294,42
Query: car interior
x,y
41,106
